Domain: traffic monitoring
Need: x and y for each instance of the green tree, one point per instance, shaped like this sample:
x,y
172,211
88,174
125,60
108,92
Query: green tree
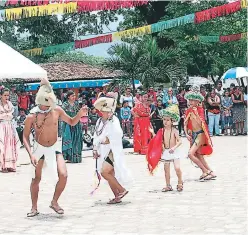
x,y
203,59
145,61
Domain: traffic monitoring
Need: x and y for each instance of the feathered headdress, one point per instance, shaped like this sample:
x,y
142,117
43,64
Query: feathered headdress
x,y
194,94
172,111
45,96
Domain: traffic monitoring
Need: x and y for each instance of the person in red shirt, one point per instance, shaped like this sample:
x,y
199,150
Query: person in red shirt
x,y
23,101
152,95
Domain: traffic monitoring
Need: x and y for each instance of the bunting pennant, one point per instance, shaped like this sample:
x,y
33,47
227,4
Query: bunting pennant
x,y
33,52
59,48
244,3
229,38
27,2
219,11
84,6
132,33
163,25
244,35
2,15
50,9
93,41
209,38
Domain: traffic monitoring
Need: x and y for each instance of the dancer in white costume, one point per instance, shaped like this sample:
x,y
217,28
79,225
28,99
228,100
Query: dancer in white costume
x,y
44,120
108,149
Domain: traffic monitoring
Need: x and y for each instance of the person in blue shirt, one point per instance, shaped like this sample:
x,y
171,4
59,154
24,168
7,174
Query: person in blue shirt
x,y
125,118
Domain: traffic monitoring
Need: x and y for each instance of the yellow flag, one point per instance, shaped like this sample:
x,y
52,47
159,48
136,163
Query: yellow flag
x,y
13,13
132,33
33,52
243,3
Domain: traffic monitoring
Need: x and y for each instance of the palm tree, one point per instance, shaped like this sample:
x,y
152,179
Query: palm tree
x,y
145,61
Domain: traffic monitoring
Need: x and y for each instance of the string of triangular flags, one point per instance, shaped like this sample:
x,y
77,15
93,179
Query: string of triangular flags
x,y
46,7
196,18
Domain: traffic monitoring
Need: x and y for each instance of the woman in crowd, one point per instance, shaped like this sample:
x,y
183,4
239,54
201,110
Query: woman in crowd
x,y
213,113
9,141
183,105
227,104
141,136
238,111
72,143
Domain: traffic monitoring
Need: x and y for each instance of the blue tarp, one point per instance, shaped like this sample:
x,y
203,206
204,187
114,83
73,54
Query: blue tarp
x,y
73,84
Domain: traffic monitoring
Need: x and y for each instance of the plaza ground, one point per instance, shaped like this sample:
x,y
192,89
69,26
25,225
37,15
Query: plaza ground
x,y
213,207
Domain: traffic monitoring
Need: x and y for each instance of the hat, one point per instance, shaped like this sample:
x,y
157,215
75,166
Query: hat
x,y
105,84
194,94
45,96
172,111
105,104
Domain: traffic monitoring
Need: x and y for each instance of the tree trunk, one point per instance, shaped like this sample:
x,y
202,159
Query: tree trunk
x,y
133,83
212,77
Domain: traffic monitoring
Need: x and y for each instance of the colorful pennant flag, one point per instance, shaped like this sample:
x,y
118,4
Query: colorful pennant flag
x,y
59,48
2,15
163,25
137,32
93,41
209,38
33,52
219,11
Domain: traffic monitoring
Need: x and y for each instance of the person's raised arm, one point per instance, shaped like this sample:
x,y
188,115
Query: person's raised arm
x,y
72,121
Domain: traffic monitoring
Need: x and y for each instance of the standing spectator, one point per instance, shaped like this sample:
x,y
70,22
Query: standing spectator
x,y
9,140
232,86
137,98
169,99
127,97
183,105
245,102
219,89
227,104
93,117
152,95
213,113
160,94
238,111
118,105
59,103
14,100
104,91
158,122
126,118
142,123
72,138
24,101
20,124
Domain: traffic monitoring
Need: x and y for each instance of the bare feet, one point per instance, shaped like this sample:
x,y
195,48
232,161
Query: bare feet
x,y
55,206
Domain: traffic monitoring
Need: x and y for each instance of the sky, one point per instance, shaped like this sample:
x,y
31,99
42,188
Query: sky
x,y
101,49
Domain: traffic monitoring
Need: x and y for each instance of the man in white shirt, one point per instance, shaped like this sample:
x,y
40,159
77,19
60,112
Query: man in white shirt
x,y
219,90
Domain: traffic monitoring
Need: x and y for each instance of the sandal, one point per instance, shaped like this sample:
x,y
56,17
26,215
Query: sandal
x,y
5,170
211,176
114,201
33,213
58,210
168,188
180,187
203,177
121,195
11,170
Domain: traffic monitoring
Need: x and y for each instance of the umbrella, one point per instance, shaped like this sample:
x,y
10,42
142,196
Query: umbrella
x,y
198,81
234,73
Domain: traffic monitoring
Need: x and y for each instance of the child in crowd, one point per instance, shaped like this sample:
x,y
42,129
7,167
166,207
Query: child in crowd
x,y
93,117
170,143
125,118
227,113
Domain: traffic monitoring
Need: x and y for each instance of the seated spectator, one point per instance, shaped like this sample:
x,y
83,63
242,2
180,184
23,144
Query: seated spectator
x,y
169,99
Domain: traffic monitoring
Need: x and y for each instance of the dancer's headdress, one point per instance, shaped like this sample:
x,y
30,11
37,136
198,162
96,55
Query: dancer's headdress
x,y
194,94
105,104
172,111
45,96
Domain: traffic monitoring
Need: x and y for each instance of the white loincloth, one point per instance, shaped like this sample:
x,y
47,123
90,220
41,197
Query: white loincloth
x,y
178,154
50,161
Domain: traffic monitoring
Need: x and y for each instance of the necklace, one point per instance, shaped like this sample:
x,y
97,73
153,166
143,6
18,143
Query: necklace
x,y
43,121
99,132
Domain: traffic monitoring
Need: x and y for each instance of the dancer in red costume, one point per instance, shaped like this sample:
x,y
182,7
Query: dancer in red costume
x,y
141,136
197,133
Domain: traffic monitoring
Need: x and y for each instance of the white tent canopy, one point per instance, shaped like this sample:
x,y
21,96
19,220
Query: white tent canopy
x,y
14,65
